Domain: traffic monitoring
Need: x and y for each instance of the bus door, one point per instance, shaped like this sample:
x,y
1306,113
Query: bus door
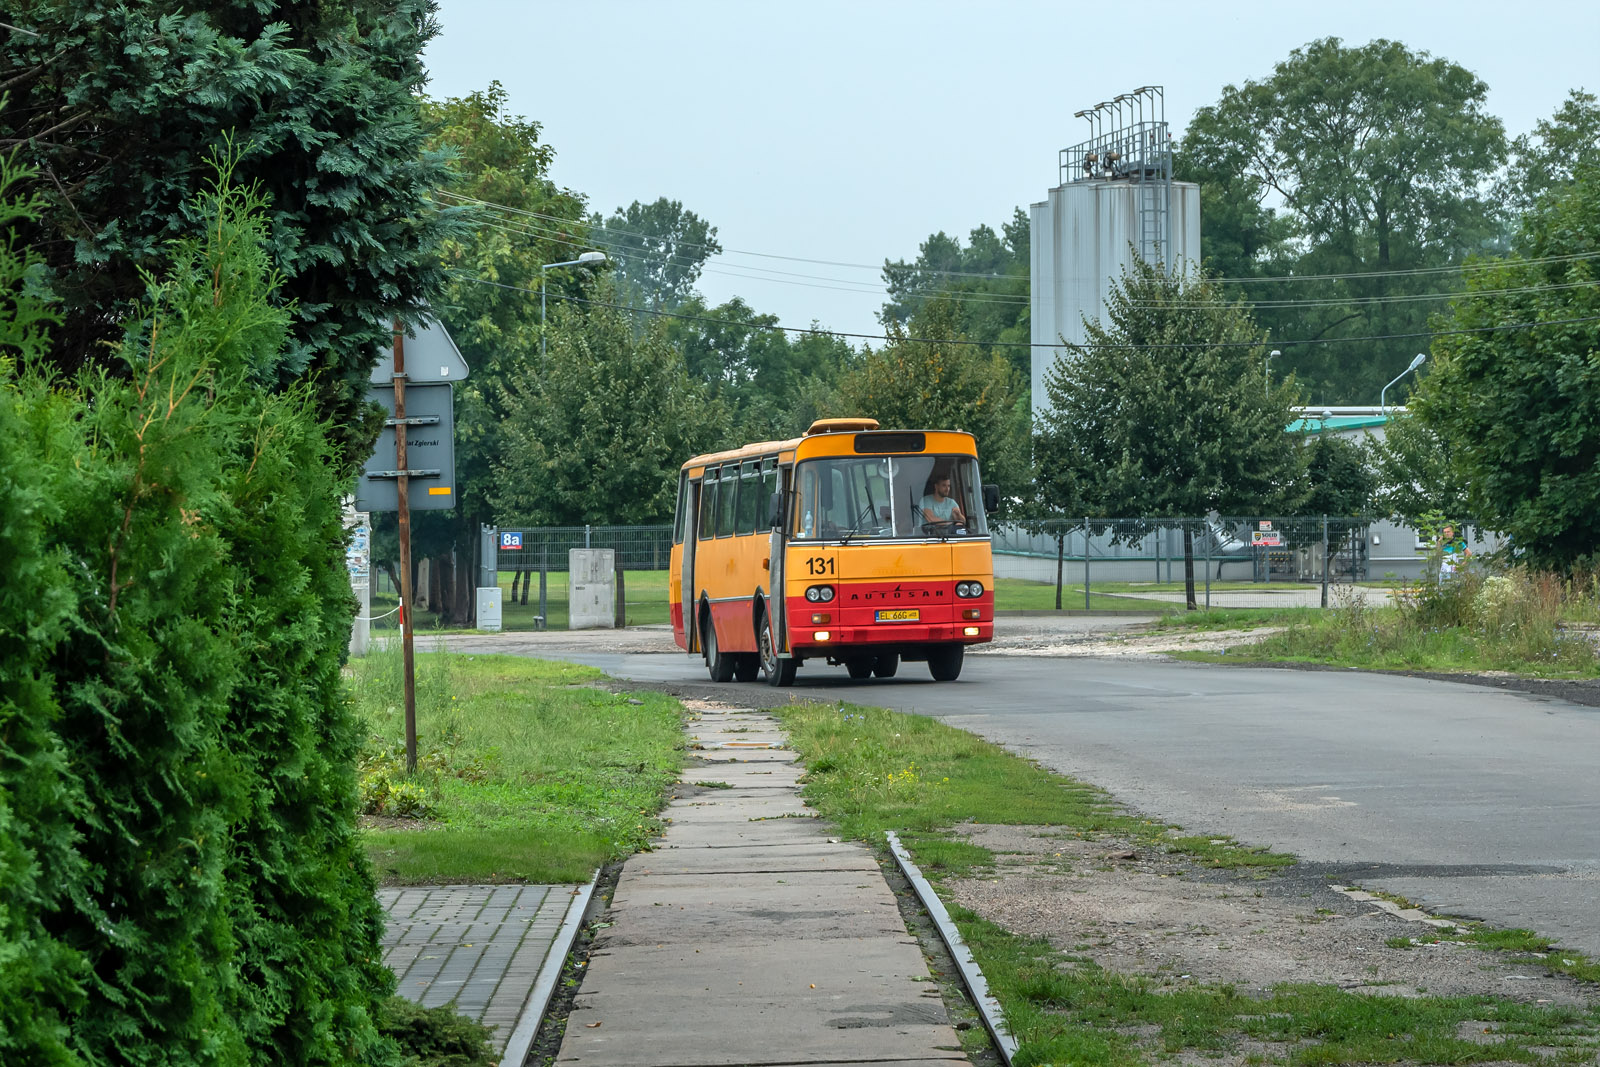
x,y
774,480
686,586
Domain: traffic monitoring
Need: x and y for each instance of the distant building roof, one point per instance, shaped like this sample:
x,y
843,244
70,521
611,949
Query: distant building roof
x,y
1340,419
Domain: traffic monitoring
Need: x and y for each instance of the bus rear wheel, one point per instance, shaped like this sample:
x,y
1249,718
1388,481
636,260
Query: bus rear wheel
x,y
944,663
887,664
860,667
746,666
718,663
779,672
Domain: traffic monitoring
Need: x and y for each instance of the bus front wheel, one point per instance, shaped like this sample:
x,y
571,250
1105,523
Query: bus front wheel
x,y
944,663
719,663
780,672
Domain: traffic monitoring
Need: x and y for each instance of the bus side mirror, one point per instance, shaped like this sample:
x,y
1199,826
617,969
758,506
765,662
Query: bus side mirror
x,y
775,509
991,498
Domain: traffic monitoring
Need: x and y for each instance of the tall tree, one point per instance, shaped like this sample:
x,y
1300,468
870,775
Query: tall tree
x,y
572,453
1160,412
767,381
660,248
987,281
1548,158
1518,409
493,269
118,103
1377,155
930,377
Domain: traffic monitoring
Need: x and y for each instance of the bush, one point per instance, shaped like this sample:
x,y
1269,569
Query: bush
x,y
180,880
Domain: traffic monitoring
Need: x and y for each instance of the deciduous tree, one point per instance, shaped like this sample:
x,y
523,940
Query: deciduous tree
x,y
1518,409
1378,156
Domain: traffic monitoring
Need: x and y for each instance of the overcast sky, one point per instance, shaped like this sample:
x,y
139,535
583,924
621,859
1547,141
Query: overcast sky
x,y
849,131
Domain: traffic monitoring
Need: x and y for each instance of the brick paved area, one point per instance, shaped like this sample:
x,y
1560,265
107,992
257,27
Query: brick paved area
x,y
479,947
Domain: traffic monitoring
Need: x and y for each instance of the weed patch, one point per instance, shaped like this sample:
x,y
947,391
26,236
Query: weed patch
x,y
526,770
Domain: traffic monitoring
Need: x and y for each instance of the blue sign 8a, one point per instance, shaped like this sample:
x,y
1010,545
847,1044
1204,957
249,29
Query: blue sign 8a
x,y
511,539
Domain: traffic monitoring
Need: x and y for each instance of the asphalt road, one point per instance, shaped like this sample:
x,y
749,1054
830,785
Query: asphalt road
x,y
1472,801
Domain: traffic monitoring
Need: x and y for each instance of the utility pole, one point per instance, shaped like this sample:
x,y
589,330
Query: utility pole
x,y
401,431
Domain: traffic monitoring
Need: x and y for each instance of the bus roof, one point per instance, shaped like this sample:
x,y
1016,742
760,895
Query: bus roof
x,y
830,441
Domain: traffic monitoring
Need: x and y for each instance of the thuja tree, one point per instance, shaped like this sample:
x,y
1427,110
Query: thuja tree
x,y
116,103
1162,411
179,877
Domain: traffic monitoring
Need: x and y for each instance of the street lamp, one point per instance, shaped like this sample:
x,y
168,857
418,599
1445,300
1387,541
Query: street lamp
x,y
1266,374
1414,365
583,260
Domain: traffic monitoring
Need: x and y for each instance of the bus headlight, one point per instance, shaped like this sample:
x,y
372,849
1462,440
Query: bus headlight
x,y
819,594
969,589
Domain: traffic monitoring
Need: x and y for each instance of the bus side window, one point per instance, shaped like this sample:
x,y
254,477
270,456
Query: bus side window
x,y
769,485
727,498
751,503
708,504
683,502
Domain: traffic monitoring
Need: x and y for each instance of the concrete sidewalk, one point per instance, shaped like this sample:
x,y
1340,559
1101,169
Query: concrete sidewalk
x,y
753,934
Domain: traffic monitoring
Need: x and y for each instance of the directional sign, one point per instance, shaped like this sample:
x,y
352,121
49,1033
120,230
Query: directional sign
x,y
430,453
430,357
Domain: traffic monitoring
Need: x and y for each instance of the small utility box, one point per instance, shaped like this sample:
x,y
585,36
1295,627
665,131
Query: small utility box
x,y
489,617
591,589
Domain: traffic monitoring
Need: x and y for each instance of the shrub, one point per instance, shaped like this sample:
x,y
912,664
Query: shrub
x,y
180,880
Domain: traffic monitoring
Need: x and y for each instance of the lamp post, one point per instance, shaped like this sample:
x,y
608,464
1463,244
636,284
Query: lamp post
x,y
582,261
1415,363
1266,374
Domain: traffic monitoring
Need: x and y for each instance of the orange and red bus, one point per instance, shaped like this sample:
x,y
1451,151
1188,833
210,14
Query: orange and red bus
x,y
852,545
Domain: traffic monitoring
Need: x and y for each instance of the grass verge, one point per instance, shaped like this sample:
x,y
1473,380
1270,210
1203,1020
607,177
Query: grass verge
x,y
869,769
527,771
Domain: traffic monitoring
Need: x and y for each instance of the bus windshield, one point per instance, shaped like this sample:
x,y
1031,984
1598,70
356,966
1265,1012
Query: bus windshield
x,y
888,497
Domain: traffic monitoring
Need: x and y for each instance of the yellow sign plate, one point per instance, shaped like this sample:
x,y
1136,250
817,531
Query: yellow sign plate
x,y
900,615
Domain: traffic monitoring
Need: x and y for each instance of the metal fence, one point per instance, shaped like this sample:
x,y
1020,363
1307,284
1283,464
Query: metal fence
x,y
638,548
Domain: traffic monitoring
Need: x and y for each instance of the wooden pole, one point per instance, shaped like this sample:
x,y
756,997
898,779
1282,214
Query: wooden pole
x,y
401,430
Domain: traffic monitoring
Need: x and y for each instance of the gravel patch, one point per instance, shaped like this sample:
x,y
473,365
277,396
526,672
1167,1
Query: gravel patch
x,y
1136,911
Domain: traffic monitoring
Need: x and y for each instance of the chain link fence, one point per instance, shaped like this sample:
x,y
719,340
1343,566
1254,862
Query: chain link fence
x,y
1064,564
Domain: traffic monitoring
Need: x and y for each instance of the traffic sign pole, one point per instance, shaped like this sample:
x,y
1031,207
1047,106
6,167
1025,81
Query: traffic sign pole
x,y
404,515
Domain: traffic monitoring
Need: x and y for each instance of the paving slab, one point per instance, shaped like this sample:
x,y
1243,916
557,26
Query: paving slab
x,y
802,856
810,905
799,1002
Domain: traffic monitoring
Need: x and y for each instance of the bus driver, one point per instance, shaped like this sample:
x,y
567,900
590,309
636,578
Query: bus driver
x,y
939,506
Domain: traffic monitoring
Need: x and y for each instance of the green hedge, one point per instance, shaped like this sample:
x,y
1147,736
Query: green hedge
x,y
180,881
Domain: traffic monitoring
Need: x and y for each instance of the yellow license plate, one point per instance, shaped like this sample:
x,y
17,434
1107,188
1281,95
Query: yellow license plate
x,y
899,615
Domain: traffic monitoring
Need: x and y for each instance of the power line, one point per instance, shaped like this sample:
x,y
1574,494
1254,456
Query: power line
x,y
1351,276
1029,344
967,296
863,288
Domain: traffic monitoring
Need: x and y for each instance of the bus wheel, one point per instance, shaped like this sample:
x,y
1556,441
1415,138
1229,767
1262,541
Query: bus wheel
x,y
780,672
944,663
887,664
746,665
860,667
718,662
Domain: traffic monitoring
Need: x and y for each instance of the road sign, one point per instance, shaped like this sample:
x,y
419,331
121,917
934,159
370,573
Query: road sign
x,y
510,540
430,452
430,357
1266,539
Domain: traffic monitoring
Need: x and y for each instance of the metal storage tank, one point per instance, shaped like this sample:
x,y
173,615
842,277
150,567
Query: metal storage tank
x,y
1115,202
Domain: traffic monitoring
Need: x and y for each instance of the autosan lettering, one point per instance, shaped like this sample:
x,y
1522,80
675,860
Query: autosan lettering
x,y
899,593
